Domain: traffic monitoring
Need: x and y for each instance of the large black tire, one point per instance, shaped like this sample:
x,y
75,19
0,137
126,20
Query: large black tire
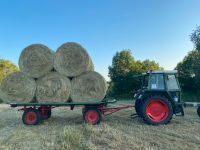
x,y
198,111
31,117
92,116
156,110
138,104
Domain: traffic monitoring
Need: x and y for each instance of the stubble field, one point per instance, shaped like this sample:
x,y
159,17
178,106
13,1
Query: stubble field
x,y
66,130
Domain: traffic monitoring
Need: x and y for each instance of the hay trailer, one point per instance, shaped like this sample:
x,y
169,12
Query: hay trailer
x,y
156,102
92,112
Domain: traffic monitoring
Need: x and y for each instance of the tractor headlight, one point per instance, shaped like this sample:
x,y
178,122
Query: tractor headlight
x,y
176,99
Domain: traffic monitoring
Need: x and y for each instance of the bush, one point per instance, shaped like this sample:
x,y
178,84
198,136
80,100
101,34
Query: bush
x,y
190,97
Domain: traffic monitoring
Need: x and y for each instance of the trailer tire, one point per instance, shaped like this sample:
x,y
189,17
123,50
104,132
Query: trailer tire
x,y
198,111
92,116
156,110
46,113
31,116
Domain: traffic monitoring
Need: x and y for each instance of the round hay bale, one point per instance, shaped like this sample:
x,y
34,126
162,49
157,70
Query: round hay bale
x,y
36,60
53,88
71,59
90,86
17,87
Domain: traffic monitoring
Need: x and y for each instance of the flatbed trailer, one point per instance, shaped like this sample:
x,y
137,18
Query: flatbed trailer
x,y
92,112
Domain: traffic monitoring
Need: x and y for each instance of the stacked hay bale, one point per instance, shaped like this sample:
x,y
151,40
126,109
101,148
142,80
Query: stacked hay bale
x,y
54,77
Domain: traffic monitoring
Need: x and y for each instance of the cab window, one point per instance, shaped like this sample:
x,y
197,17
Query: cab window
x,y
157,81
172,82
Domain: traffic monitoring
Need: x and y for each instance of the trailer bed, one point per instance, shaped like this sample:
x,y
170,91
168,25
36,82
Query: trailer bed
x,y
56,104
92,112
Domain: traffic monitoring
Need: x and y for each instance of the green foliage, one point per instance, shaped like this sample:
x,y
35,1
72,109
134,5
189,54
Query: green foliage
x,y
195,38
6,67
190,96
121,73
189,72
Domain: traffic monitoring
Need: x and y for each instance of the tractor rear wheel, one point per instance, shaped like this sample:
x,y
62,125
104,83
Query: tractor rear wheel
x,y
198,111
156,110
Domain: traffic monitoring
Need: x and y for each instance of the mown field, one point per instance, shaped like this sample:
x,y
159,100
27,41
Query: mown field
x,y
66,130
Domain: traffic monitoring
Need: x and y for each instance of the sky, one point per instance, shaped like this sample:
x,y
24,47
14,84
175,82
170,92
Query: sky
x,y
153,29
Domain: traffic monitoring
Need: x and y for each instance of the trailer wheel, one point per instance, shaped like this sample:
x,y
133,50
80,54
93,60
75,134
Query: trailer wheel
x,y
92,116
138,104
198,111
157,110
31,116
45,112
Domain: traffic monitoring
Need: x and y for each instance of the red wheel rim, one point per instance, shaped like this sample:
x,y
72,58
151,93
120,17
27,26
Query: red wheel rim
x,y
92,116
44,111
157,110
30,117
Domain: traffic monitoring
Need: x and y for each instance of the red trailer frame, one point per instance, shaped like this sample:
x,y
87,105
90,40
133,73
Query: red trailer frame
x,y
92,112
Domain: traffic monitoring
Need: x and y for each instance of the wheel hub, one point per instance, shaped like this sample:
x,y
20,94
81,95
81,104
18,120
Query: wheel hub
x,y
30,117
92,116
157,110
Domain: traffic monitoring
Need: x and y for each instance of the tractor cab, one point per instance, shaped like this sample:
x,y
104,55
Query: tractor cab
x,y
159,97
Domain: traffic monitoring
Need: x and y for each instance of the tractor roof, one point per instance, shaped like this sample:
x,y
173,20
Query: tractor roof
x,y
161,71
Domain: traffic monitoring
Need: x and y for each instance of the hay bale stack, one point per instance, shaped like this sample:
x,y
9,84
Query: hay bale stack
x,y
36,60
53,87
18,87
90,86
71,59
44,76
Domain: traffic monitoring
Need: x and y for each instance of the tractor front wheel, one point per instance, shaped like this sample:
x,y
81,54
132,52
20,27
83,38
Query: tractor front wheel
x,y
157,110
198,111
138,104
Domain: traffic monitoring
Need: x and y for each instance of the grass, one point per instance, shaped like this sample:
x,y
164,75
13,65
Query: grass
x,y
65,130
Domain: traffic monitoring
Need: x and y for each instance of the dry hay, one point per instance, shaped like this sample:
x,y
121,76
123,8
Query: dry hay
x,y
53,88
71,59
17,87
90,86
36,60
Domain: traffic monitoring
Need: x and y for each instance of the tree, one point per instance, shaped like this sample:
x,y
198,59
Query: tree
x,y
122,64
122,72
6,67
189,72
195,38
150,65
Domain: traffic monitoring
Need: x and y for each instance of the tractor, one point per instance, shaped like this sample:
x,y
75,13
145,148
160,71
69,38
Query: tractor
x,y
159,97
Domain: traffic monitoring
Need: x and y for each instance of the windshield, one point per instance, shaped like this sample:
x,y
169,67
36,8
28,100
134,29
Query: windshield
x,y
157,81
